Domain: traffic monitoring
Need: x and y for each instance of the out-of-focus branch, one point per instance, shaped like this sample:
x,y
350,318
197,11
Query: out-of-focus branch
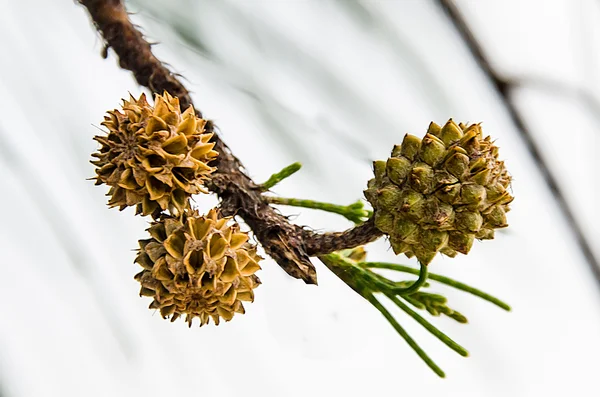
x,y
584,96
289,245
505,87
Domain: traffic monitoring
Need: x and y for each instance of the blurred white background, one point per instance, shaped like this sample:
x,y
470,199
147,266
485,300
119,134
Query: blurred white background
x,y
332,84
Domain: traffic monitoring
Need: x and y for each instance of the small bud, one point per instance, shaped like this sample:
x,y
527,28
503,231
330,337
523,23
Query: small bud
x,y
422,178
448,251
434,129
434,240
482,177
460,242
468,221
389,197
424,255
399,247
397,169
472,194
432,150
444,178
471,139
451,133
449,193
410,199
495,192
496,218
410,146
384,221
458,317
379,170
485,234
403,229
457,164
146,292
438,213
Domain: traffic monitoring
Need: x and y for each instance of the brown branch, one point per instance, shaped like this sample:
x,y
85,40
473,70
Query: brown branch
x,y
135,54
319,244
289,245
505,88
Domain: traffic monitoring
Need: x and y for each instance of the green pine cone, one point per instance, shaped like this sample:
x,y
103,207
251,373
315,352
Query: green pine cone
x,y
440,193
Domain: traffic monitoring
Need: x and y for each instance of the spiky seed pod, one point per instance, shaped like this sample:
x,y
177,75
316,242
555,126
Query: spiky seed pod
x,y
440,193
198,266
153,158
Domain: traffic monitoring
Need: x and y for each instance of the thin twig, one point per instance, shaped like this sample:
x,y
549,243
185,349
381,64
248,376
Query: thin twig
x,y
505,88
280,176
320,244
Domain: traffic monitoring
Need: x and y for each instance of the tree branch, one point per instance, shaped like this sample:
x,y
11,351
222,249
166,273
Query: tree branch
x,y
289,245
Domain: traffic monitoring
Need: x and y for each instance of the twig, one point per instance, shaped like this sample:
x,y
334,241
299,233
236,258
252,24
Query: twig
x,y
280,176
289,245
504,88
354,212
319,244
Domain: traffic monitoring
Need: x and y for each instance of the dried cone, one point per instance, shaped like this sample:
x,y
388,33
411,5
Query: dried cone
x,y
439,193
153,158
200,266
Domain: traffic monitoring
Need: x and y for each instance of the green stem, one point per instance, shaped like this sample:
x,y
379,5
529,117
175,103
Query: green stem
x,y
414,287
402,332
279,176
429,327
353,212
439,278
414,302
385,285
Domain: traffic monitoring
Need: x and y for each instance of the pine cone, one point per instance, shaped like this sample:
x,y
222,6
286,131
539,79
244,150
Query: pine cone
x,y
198,266
153,158
440,193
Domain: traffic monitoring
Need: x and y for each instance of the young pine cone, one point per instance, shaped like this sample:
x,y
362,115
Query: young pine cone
x,y
439,193
198,266
153,157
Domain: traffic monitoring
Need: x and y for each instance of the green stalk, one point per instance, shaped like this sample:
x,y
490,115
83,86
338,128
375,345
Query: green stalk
x,y
279,176
439,278
429,327
414,302
402,332
353,212
412,288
